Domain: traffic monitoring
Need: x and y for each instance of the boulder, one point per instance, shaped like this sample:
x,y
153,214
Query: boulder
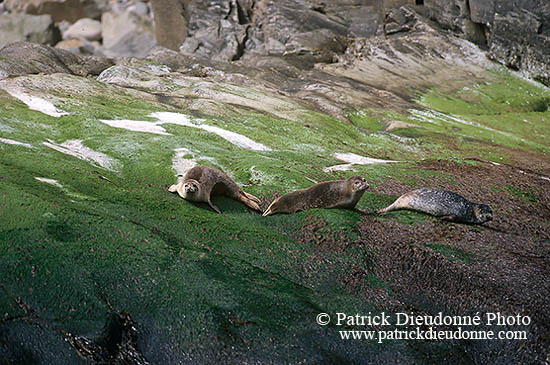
x,y
482,11
22,58
70,10
79,46
84,28
24,27
515,39
171,20
126,34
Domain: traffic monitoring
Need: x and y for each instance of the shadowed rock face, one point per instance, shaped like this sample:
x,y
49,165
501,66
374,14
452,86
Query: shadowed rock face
x,y
515,32
224,30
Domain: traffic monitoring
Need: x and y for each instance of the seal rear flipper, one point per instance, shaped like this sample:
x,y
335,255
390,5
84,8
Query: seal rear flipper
x,y
389,208
251,204
252,197
213,206
247,200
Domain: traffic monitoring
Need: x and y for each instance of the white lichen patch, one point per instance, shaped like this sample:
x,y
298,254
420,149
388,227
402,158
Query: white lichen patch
x,y
137,126
359,160
184,120
16,143
35,102
235,138
354,159
232,137
343,167
435,117
74,147
50,181
65,190
185,159
181,164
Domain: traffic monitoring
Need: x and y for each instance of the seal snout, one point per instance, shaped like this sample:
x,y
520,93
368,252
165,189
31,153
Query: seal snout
x,y
190,188
484,213
360,183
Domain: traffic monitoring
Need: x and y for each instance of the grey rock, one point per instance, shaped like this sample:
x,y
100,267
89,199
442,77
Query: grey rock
x,y
140,8
84,28
24,27
515,31
482,11
59,10
126,34
80,46
514,39
22,58
228,30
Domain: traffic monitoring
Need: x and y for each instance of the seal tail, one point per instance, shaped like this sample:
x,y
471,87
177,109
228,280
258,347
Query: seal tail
x,y
252,197
398,204
250,201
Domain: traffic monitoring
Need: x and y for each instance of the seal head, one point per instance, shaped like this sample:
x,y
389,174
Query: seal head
x,y
483,213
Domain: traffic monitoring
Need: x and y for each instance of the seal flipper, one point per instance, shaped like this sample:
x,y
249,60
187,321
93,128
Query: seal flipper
x,y
252,197
213,206
400,203
174,188
389,208
247,200
449,218
177,188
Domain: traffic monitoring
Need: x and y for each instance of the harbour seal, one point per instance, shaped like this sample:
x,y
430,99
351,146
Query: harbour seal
x,y
329,194
443,204
201,182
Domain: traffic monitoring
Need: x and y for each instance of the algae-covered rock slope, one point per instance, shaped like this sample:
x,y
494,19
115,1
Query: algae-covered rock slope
x,y
99,263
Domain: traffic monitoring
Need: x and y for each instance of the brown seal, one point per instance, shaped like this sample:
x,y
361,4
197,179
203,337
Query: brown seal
x,y
443,204
201,182
328,194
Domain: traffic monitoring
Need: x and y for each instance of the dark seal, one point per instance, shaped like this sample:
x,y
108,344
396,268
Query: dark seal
x,y
443,204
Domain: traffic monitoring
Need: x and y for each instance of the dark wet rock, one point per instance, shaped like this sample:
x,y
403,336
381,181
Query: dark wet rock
x,y
28,340
24,27
22,58
70,10
117,344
